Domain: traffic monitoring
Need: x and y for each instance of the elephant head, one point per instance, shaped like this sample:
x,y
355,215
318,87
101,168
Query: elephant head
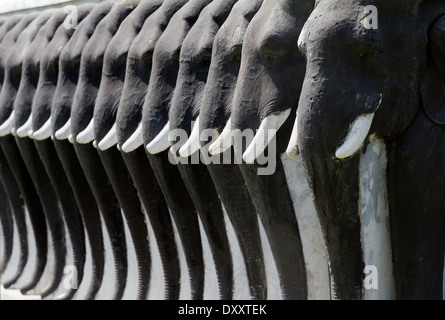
x,y
375,78
49,277
49,75
82,132
215,93
69,68
13,72
31,73
114,71
162,82
139,63
15,253
90,74
10,30
216,105
194,64
270,73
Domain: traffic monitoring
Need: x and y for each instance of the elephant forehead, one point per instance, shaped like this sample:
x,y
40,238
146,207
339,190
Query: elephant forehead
x,y
199,40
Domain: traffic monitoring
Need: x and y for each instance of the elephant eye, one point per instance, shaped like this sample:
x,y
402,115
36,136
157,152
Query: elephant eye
x,y
206,59
272,52
175,57
235,53
270,57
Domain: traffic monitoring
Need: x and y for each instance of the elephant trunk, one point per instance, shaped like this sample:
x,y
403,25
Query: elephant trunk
x,y
329,133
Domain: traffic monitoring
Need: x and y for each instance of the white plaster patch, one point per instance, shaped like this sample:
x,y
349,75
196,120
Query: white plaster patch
x,y
69,261
10,269
241,283
272,278
185,290
131,287
211,286
31,262
85,282
13,294
374,212
313,243
157,288
107,288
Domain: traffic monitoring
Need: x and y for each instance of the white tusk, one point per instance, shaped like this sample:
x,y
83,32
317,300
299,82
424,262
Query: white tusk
x,y
44,132
109,140
95,144
135,141
25,129
264,135
161,142
64,132
192,144
71,138
224,141
87,135
356,136
292,148
8,125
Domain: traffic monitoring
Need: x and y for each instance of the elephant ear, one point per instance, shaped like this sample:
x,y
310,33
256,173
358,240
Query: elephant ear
x,y
433,81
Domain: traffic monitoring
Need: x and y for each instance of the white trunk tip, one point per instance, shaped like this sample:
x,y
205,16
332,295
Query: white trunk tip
x,y
87,135
161,142
192,144
266,132
135,141
356,136
224,141
109,140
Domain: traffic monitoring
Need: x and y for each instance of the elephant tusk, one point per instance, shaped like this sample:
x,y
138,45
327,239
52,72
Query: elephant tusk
x,y
44,132
192,145
71,138
8,125
161,142
109,140
87,135
224,141
26,129
64,132
135,141
292,148
356,136
264,135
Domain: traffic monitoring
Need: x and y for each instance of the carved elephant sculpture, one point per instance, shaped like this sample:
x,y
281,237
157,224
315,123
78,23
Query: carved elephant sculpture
x,y
222,149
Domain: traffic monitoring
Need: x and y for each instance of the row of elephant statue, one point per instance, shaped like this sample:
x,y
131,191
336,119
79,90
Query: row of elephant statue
x,y
109,111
